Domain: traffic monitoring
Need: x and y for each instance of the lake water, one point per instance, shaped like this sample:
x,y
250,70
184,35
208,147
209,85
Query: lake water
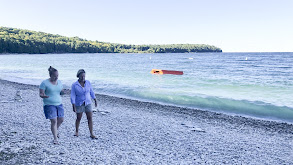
x,y
249,84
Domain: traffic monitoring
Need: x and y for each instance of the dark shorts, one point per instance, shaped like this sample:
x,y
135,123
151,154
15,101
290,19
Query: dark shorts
x,y
53,111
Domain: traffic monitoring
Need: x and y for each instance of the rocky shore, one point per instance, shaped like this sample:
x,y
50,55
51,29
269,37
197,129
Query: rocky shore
x,y
135,132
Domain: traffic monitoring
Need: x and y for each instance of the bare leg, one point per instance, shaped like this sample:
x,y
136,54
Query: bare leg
x,y
77,122
54,129
59,121
89,116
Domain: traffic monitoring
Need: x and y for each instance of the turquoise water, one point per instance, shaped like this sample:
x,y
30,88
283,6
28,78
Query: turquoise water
x,y
250,84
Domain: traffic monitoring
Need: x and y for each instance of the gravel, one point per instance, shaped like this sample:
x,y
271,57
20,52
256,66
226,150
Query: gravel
x,y
135,132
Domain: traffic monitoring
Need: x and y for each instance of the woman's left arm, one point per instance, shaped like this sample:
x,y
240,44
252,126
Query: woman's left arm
x,y
62,92
93,95
96,103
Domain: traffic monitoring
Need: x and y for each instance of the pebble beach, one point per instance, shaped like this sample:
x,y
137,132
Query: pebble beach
x,y
135,132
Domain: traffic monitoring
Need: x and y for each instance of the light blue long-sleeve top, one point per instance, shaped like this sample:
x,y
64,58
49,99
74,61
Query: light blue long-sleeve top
x,y
80,95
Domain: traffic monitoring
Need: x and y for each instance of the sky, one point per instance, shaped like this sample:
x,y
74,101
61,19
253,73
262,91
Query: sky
x,y
232,25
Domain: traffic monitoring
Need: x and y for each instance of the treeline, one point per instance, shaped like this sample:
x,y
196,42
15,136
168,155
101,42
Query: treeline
x,y
14,40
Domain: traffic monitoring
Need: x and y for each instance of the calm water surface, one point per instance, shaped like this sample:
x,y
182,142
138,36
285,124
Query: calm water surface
x,y
250,84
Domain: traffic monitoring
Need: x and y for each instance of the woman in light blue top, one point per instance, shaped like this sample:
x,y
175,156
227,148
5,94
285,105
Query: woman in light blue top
x,y
81,95
50,91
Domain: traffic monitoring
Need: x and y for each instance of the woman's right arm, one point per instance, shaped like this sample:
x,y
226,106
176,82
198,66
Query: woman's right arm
x,y
42,94
72,98
73,108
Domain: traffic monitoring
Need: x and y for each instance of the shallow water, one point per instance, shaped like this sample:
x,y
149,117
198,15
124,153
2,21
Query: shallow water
x,y
250,84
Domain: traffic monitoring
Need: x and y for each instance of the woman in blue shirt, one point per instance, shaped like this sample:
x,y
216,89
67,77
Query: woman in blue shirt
x,y
81,95
50,91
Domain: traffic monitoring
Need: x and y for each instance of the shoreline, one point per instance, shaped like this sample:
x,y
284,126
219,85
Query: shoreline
x,y
182,109
132,131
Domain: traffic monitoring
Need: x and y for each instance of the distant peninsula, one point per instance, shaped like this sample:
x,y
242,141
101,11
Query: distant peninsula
x,y
13,40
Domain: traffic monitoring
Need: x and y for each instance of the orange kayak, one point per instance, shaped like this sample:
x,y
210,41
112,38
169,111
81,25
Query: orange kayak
x,y
159,71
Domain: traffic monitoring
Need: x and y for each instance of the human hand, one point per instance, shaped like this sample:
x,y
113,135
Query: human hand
x,y
44,96
62,92
73,108
96,104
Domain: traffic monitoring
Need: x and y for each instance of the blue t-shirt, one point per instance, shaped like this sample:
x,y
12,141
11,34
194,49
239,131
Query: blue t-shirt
x,y
53,91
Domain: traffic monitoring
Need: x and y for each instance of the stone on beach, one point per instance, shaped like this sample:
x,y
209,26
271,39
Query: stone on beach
x,y
18,96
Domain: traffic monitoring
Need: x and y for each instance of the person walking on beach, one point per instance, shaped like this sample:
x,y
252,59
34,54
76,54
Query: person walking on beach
x,y
50,91
81,95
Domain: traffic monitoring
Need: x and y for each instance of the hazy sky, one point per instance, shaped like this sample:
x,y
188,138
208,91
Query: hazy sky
x,y
233,25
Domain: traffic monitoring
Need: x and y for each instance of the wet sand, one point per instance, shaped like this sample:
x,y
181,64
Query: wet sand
x,y
135,132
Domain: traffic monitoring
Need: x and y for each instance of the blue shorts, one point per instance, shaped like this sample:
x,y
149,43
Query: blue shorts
x,y
53,111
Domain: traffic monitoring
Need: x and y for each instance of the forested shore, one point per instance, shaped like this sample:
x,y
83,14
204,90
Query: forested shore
x,y
13,40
